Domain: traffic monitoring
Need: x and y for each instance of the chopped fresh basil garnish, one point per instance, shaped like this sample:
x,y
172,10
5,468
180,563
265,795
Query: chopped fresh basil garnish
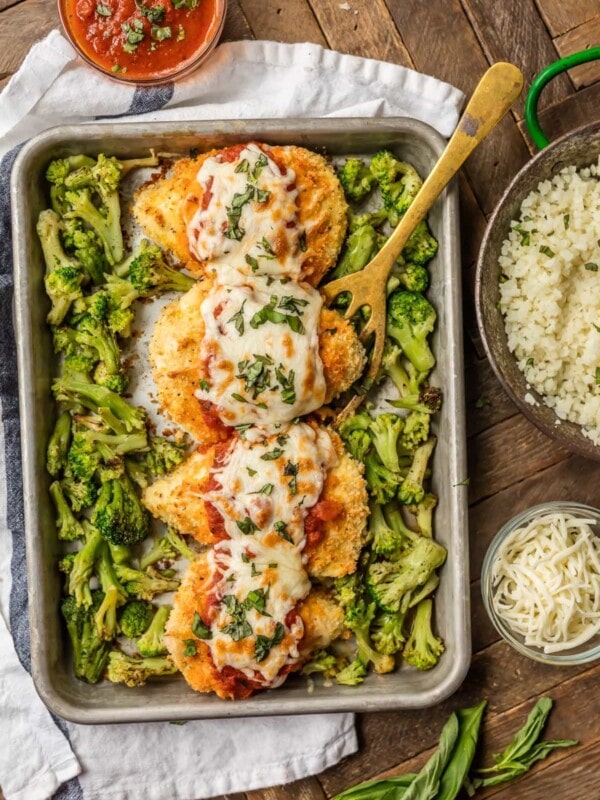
x,y
153,13
199,629
547,251
272,455
291,469
252,262
253,571
204,384
103,10
190,647
260,163
281,530
257,599
246,526
160,34
264,644
238,319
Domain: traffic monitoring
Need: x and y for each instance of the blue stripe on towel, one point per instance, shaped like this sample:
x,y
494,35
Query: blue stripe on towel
x,y
18,613
145,100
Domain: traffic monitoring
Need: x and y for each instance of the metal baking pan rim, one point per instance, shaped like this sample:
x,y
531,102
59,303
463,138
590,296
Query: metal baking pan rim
x,y
192,707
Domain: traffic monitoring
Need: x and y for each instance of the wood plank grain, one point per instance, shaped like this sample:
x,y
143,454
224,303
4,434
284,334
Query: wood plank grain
x,y
581,38
307,789
507,454
388,739
236,24
361,29
574,715
32,19
283,21
562,15
514,31
4,4
487,402
575,479
441,40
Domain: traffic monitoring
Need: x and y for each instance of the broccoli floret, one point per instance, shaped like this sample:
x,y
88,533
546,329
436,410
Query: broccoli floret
x,y
423,649
90,651
384,540
169,546
386,632
420,247
416,429
382,483
63,276
410,320
145,584
84,458
354,674
356,178
151,643
58,445
356,435
385,431
65,565
399,183
83,564
87,248
58,170
116,412
150,274
390,583
114,596
105,223
119,514
120,553
81,494
134,671
358,619
414,278
163,456
423,512
349,588
322,662
68,527
412,490
407,379
92,335
134,618
359,249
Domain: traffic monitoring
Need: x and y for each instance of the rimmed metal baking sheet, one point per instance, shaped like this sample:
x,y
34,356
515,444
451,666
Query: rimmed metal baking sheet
x,y
173,699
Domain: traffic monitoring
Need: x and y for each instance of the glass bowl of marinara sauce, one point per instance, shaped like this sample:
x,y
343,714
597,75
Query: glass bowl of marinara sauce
x,y
145,42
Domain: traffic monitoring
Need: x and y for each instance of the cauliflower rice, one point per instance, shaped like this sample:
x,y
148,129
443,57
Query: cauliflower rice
x,y
550,294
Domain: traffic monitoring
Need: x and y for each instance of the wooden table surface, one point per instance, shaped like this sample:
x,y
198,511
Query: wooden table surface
x,y
512,465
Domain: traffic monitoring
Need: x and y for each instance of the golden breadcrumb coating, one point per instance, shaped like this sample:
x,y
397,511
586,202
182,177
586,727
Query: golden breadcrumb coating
x,y
176,365
164,208
176,500
322,618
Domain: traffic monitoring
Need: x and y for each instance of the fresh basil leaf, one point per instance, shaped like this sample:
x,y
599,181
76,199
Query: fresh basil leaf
x,y
280,528
238,630
190,647
103,10
153,13
199,629
238,319
264,644
160,34
247,527
272,455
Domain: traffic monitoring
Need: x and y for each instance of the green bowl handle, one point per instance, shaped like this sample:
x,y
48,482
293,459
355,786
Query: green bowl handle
x,y
544,77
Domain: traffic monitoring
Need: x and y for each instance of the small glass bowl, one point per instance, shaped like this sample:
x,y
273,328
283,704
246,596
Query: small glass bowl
x,y
166,76
588,651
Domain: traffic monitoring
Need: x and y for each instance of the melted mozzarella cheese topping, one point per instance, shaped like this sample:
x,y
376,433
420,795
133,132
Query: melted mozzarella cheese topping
x,y
547,582
248,219
265,488
261,351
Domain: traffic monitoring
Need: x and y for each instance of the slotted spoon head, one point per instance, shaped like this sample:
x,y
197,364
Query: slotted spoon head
x,y
498,89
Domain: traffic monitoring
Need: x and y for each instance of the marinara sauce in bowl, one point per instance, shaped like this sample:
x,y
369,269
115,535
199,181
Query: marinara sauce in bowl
x,y
143,41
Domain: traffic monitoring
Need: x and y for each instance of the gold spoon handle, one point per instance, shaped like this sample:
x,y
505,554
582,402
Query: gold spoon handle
x,y
494,95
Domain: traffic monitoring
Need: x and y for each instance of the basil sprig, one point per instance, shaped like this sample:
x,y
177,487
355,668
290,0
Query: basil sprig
x,y
264,644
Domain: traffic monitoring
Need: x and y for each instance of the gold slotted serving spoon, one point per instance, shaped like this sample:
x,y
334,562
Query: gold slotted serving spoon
x,y
494,95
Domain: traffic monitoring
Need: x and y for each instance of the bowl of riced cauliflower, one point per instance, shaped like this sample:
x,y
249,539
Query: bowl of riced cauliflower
x,y
538,290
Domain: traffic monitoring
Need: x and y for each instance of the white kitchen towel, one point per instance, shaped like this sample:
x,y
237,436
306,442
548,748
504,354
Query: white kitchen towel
x,y
161,761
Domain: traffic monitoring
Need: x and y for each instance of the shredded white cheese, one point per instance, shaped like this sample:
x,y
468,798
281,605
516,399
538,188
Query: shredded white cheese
x,y
546,578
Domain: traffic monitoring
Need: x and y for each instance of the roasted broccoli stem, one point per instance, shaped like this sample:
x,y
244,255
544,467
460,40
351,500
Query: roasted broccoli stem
x,y
412,490
151,643
64,276
134,671
117,413
58,445
114,595
146,584
423,649
149,273
410,320
90,651
423,512
168,547
119,514
83,565
386,431
68,527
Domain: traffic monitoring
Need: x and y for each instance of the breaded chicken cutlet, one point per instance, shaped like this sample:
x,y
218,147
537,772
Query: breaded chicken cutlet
x,y
177,500
201,210
176,358
322,619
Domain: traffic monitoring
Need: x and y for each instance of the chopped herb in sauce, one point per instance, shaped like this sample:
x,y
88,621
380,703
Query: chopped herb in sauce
x,y
103,10
199,629
189,4
160,34
134,34
257,599
204,384
239,627
264,644
153,13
